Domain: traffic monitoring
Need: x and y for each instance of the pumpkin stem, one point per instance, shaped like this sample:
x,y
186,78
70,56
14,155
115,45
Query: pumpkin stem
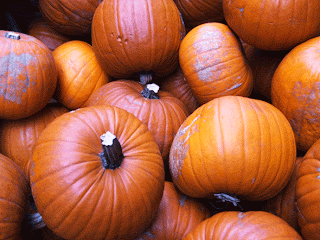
x,y
12,35
145,77
228,198
33,220
150,91
112,155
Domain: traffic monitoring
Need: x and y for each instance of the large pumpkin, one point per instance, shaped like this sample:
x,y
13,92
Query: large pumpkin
x,y
162,112
134,36
13,195
295,91
233,225
79,73
273,25
71,17
88,186
213,62
177,215
28,75
233,146
307,193
19,136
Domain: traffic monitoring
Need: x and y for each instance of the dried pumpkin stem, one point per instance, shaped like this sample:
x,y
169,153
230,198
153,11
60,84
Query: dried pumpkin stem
x,y
112,154
150,91
33,221
145,77
227,198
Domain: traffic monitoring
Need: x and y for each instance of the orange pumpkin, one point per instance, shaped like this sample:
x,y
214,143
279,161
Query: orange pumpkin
x,y
273,25
213,62
28,75
79,73
294,91
233,145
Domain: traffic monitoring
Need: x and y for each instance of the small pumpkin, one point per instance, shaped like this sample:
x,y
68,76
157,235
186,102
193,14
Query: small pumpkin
x,y
13,195
97,173
131,37
79,73
28,75
42,30
233,146
213,62
19,136
162,112
307,193
230,225
273,25
294,91
177,215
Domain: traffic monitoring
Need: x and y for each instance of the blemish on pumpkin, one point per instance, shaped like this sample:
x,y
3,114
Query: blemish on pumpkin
x,y
132,100
318,177
150,234
236,86
119,39
182,200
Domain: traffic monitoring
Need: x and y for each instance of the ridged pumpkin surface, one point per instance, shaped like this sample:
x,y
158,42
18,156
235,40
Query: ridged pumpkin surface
x,y
234,145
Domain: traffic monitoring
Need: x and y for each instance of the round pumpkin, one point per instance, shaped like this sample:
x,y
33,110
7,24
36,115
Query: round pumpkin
x,y
294,90
19,136
97,173
134,36
177,85
196,12
28,75
43,30
177,215
70,17
307,193
213,62
79,73
233,147
230,225
273,25
162,112
13,195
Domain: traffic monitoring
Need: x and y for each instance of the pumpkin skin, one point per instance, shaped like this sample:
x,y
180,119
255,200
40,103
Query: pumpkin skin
x,y
307,193
294,90
79,73
177,215
133,36
28,76
195,13
42,30
77,197
215,150
70,17
233,225
214,64
13,195
284,204
19,136
273,25
163,116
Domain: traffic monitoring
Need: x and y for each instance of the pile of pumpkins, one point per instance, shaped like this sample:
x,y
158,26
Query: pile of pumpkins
x,y
162,119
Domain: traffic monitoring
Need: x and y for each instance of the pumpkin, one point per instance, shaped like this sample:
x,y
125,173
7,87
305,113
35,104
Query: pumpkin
x,y
195,12
162,112
97,173
177,85
177,215
13,195
19,136
213,62
284,204
307,193
79,73
233,147
273,25
131,37
42,30
70,17
28,75
294,90
230,225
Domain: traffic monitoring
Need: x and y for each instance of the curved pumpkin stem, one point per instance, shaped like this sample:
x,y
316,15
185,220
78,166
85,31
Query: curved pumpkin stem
x,y
33,221
228,198
145,77
112,155
150,91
